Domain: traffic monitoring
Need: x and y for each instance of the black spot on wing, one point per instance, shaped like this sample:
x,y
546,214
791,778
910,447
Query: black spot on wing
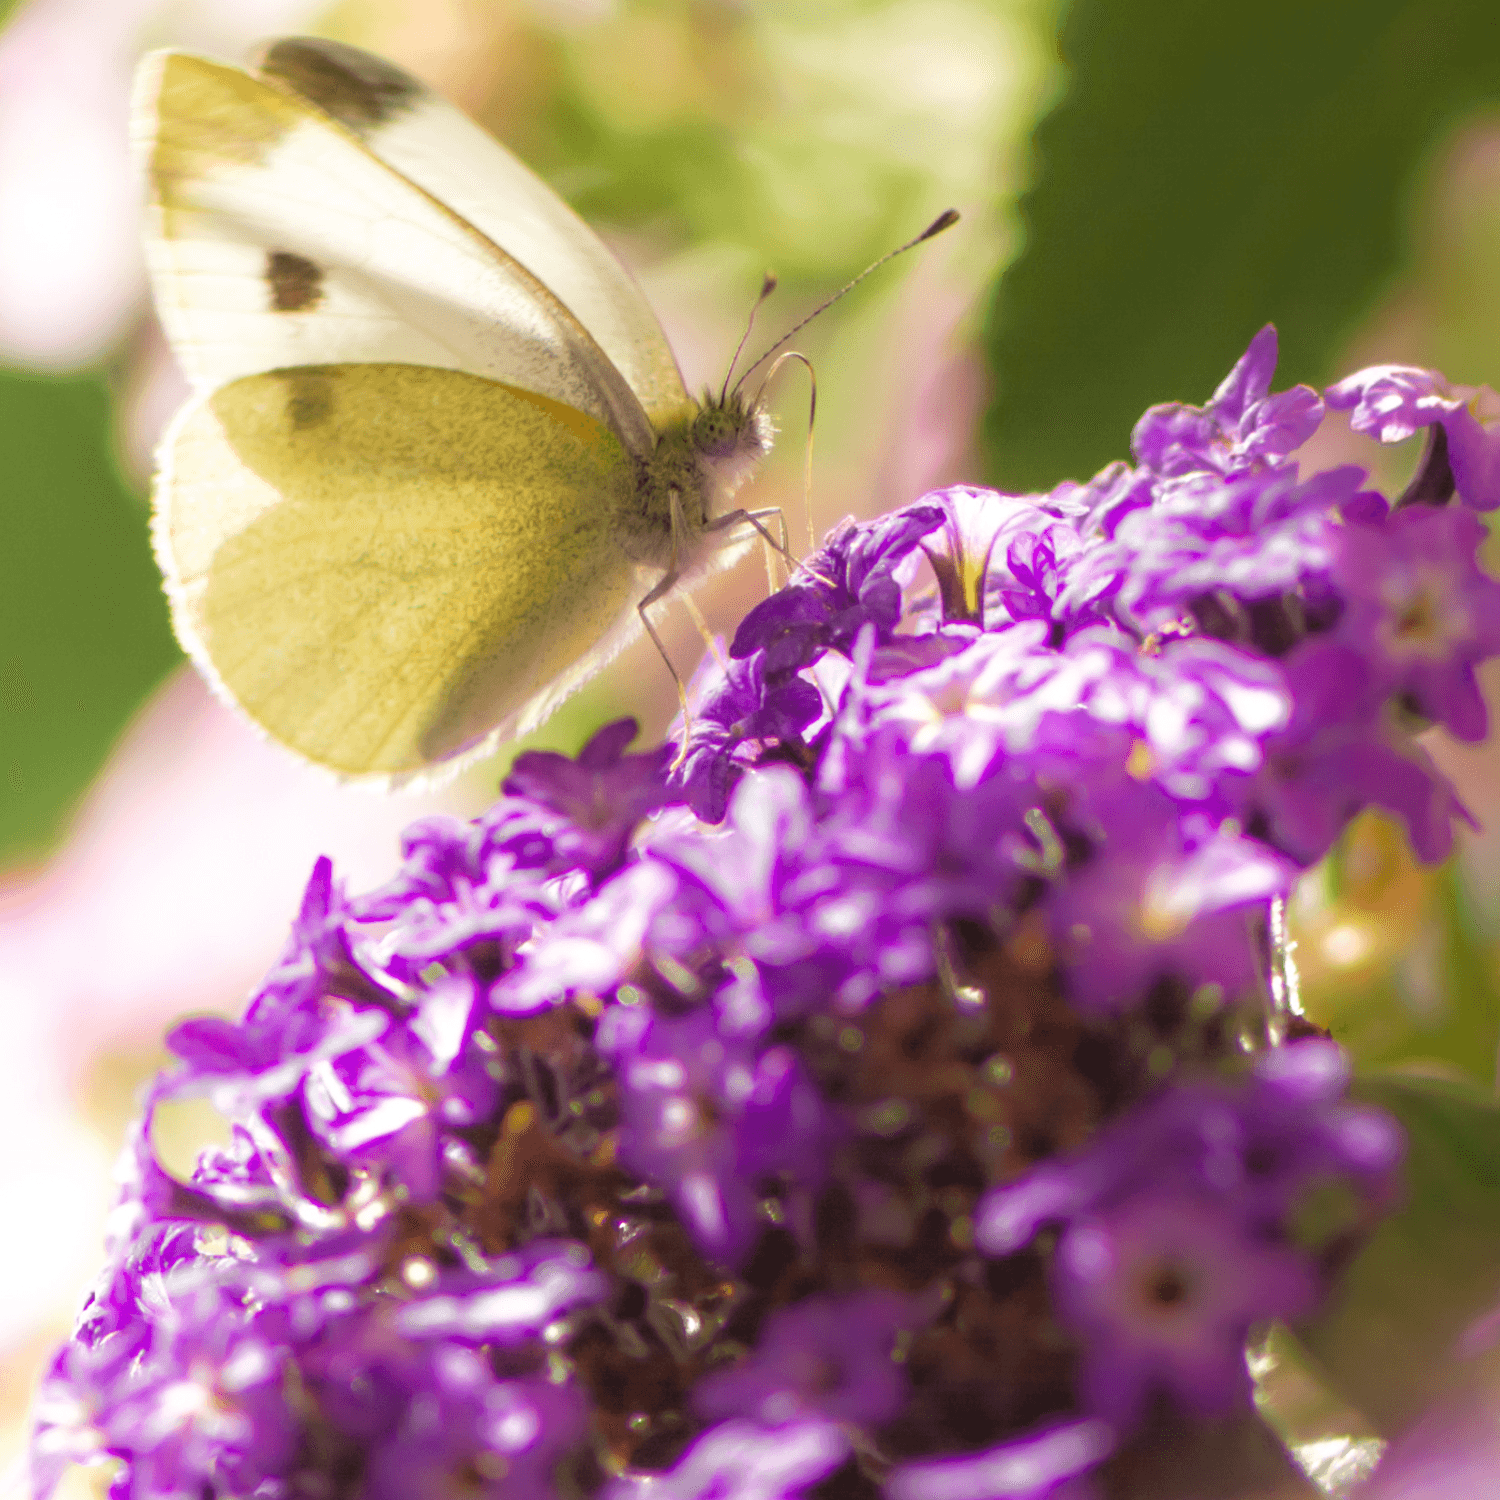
x,y
309,395
358,89
295,283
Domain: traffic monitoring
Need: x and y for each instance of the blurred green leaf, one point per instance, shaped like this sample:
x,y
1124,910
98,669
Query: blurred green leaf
x,y
1333,1443
1211,169
1387,1341
1452,1004
1436,1001
83,625
808,138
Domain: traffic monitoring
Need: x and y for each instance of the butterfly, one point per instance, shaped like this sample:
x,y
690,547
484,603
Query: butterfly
x,y
439,458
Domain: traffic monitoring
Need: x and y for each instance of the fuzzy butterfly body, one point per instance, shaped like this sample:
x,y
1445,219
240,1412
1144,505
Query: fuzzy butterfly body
x,y
438,450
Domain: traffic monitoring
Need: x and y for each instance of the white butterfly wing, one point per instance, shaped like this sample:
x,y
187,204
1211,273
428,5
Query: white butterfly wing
x,y
276,238
437,146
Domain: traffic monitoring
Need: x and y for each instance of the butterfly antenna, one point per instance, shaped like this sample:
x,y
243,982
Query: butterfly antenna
x,y
945,220
766,288
812,417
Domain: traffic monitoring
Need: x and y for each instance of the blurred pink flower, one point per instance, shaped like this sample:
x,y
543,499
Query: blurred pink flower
x,y
71,276
1452,1453
175,888
173,893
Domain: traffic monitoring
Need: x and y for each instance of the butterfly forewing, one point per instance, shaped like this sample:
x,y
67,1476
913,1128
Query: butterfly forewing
x,y
439,148
384,565
278,239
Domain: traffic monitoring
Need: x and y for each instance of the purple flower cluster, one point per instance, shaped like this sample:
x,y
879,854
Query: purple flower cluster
x,y
898,1090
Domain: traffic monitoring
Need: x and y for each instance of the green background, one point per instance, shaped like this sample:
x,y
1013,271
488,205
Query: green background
x,y
83,624
1212,169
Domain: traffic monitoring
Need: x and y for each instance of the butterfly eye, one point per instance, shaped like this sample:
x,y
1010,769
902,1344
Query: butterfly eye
x,y
715,430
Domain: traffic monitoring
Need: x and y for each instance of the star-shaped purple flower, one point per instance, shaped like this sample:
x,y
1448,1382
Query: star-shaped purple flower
x,y
1162,1291
1422,611
823,1356
596,801
1243,426
705,1114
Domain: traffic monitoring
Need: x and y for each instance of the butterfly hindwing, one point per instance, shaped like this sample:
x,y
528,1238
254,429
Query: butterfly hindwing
x,y
276,238
438,147
386,564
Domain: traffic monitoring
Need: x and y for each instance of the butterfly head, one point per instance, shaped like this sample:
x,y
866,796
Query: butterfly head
x,y
730,435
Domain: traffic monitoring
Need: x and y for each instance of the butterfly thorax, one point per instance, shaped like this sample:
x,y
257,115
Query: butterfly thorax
x,y
701,458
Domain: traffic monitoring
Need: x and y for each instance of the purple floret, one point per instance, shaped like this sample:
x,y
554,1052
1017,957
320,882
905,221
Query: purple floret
x,y
463,1429
1181,1226
1340,753
846,585
823,1357
1392,402
1423,612
1002,559
206,1403
588,808
1259,1143
1150,905
706,1115
1162,1291
736,713
1052,1464
1243,426
744,1461
385,1106
505,1300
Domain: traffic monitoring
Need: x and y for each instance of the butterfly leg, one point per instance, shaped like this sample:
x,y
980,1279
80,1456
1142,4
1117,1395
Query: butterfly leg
x,y
662,587
756,518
